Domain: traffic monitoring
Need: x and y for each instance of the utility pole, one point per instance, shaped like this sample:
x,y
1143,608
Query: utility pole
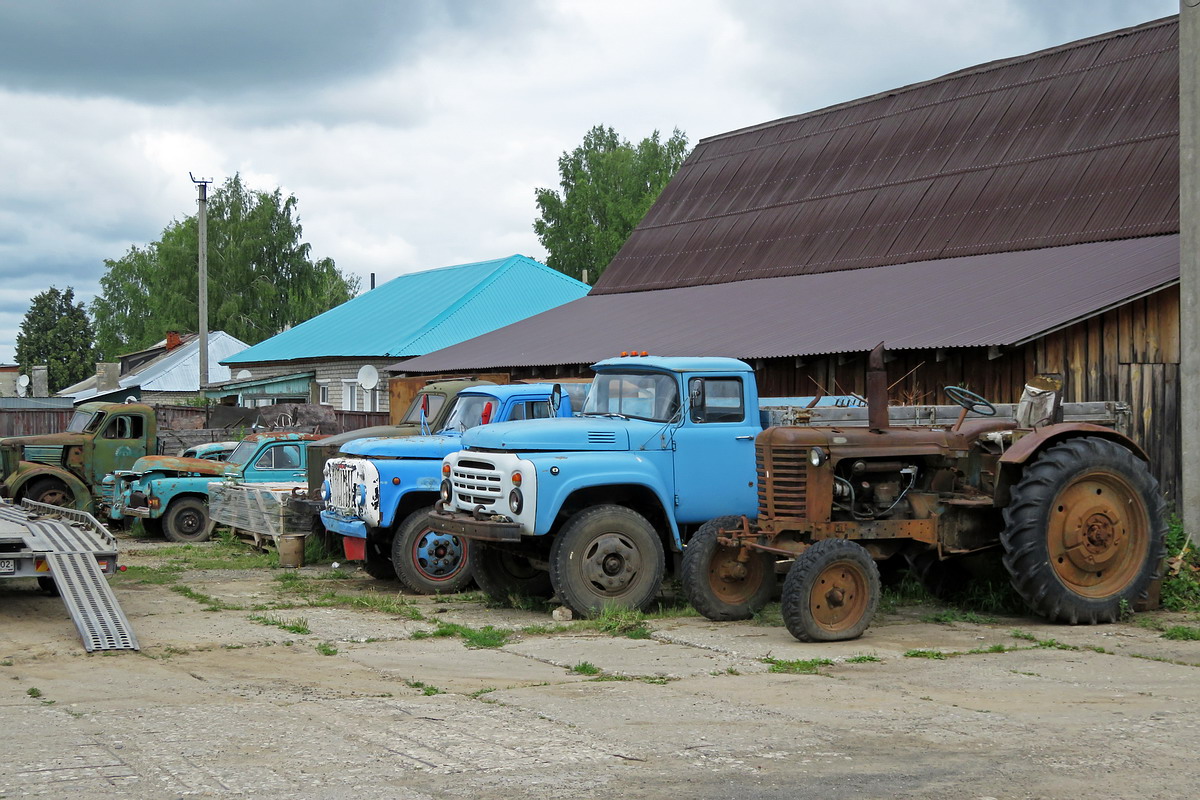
x,y
202,202
1189,262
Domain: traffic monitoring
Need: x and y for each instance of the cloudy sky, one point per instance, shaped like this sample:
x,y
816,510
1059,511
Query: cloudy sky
x,y
414,132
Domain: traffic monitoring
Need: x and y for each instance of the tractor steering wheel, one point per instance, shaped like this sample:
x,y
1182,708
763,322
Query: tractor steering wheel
x,y
970,401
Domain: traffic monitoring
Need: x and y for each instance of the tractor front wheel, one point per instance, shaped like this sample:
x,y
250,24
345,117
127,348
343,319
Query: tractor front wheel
x,y
831,592
717,583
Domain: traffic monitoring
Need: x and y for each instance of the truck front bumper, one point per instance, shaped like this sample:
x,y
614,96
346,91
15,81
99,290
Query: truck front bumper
x,y
344,526
468,526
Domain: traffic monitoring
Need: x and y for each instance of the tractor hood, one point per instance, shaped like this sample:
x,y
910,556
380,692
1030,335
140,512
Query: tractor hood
x,y
575,433
199,466
435,447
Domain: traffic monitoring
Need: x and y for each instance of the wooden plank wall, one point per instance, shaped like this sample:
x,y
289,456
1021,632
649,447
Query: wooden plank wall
x,y
1129,354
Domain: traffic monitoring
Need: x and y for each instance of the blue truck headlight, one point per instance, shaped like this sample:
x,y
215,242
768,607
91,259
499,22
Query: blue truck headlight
x,y
326,492
446,492
515,501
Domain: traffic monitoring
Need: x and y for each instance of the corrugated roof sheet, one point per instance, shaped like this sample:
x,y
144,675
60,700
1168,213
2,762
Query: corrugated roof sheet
x,y
423,311
176,370
991,299
1073,144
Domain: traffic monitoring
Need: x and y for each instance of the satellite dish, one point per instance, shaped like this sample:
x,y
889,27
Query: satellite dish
x,y
243,375
368,377
22,381
131,399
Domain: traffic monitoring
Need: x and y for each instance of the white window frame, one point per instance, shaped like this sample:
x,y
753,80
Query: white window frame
x,y
349,395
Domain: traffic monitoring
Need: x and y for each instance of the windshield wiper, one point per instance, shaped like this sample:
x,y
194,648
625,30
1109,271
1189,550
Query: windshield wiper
x,y
609,414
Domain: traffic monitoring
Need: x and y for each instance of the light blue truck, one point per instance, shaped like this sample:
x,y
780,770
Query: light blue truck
x,y
378,491
589,507
170,494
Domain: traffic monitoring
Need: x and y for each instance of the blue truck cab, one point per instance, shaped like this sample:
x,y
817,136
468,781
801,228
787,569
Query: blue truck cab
x,y
169,494
588,507
378,491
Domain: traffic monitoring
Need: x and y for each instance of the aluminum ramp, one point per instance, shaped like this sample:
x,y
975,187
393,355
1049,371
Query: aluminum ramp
x,y
74,544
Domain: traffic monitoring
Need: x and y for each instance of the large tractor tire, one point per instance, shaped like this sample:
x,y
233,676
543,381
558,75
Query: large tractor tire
x,y
718,585
428,562
1085,532
186,520
502,574
831,592
52,492
607,556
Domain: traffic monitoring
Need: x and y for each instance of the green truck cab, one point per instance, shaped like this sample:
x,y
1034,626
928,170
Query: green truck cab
x,y
68,468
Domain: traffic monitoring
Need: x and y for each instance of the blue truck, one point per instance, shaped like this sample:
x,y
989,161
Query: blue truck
x,y
169,494
378,491
589,507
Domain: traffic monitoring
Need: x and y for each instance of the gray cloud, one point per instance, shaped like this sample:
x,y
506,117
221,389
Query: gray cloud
x,y
167,52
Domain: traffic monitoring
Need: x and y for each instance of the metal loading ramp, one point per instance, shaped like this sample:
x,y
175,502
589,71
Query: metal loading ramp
x,y
73,544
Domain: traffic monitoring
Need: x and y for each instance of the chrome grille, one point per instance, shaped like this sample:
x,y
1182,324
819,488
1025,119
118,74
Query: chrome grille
x,y
476,483
342,487
785,492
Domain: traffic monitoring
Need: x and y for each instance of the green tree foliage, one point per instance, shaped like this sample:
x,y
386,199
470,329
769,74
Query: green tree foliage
x,y
57,333
261,276
608,185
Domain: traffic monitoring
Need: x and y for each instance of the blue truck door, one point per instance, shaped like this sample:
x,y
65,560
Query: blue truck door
x,y
714,451
282,462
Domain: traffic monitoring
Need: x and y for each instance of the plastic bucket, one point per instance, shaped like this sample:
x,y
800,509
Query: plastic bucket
x,y
291,550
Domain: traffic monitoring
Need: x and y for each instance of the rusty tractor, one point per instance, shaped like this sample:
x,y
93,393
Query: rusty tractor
x,y
1072,508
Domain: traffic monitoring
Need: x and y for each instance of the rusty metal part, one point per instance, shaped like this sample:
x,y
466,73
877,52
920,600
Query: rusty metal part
x,y
1097,534
840,596
877,390
1031,443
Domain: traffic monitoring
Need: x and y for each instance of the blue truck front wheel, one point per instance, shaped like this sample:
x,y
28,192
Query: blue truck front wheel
x,y
429,562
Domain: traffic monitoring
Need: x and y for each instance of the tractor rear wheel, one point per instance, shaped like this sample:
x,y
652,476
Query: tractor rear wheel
x,y
831,592
717,584
1085,532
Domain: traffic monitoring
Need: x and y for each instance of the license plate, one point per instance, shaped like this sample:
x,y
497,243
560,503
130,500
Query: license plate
x,y
7,566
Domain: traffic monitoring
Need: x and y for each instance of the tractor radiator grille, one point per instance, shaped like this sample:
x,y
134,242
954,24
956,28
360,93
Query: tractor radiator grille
x,y
782,481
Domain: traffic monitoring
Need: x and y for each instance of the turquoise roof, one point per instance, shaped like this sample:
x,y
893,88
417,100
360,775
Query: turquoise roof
x,y
425,311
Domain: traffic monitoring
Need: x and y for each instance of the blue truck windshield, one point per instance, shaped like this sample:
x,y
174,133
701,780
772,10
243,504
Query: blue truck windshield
x,y
471,410
643,395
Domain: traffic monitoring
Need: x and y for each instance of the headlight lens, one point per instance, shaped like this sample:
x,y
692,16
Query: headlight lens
x,y
445,492
515,501
817,456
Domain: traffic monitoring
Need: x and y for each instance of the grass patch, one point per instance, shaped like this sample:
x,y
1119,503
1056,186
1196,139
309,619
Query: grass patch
x,y
771,616
475,638
1025,635
8,662
936,655
209,602
148,575
425,688
798,666
478,693
949,616
384,603
585,668
295,625
33,691
1181,585
327,649
1182,633
627,622
863,659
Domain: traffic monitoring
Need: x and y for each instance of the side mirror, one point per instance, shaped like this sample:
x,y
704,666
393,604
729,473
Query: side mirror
x,y
696,400
555,399
486,415
424,405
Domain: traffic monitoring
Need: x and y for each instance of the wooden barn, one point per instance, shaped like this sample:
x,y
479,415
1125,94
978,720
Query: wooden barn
x,y
1014,218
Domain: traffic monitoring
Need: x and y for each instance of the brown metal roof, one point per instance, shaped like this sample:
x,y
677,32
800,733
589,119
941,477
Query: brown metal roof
x,y
990,299
1078,143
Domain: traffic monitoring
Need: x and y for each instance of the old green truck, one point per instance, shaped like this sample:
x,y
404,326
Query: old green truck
x,y
68,468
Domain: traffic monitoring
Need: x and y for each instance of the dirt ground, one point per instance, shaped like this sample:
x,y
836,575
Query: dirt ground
x,y
220,704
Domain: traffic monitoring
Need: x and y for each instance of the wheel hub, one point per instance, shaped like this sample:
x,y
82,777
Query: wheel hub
x,y
612,562
438,556
1093,537
839,596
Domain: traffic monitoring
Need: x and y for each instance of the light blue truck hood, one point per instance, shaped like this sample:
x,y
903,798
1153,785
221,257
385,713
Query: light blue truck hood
x,y
406,447
576,433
